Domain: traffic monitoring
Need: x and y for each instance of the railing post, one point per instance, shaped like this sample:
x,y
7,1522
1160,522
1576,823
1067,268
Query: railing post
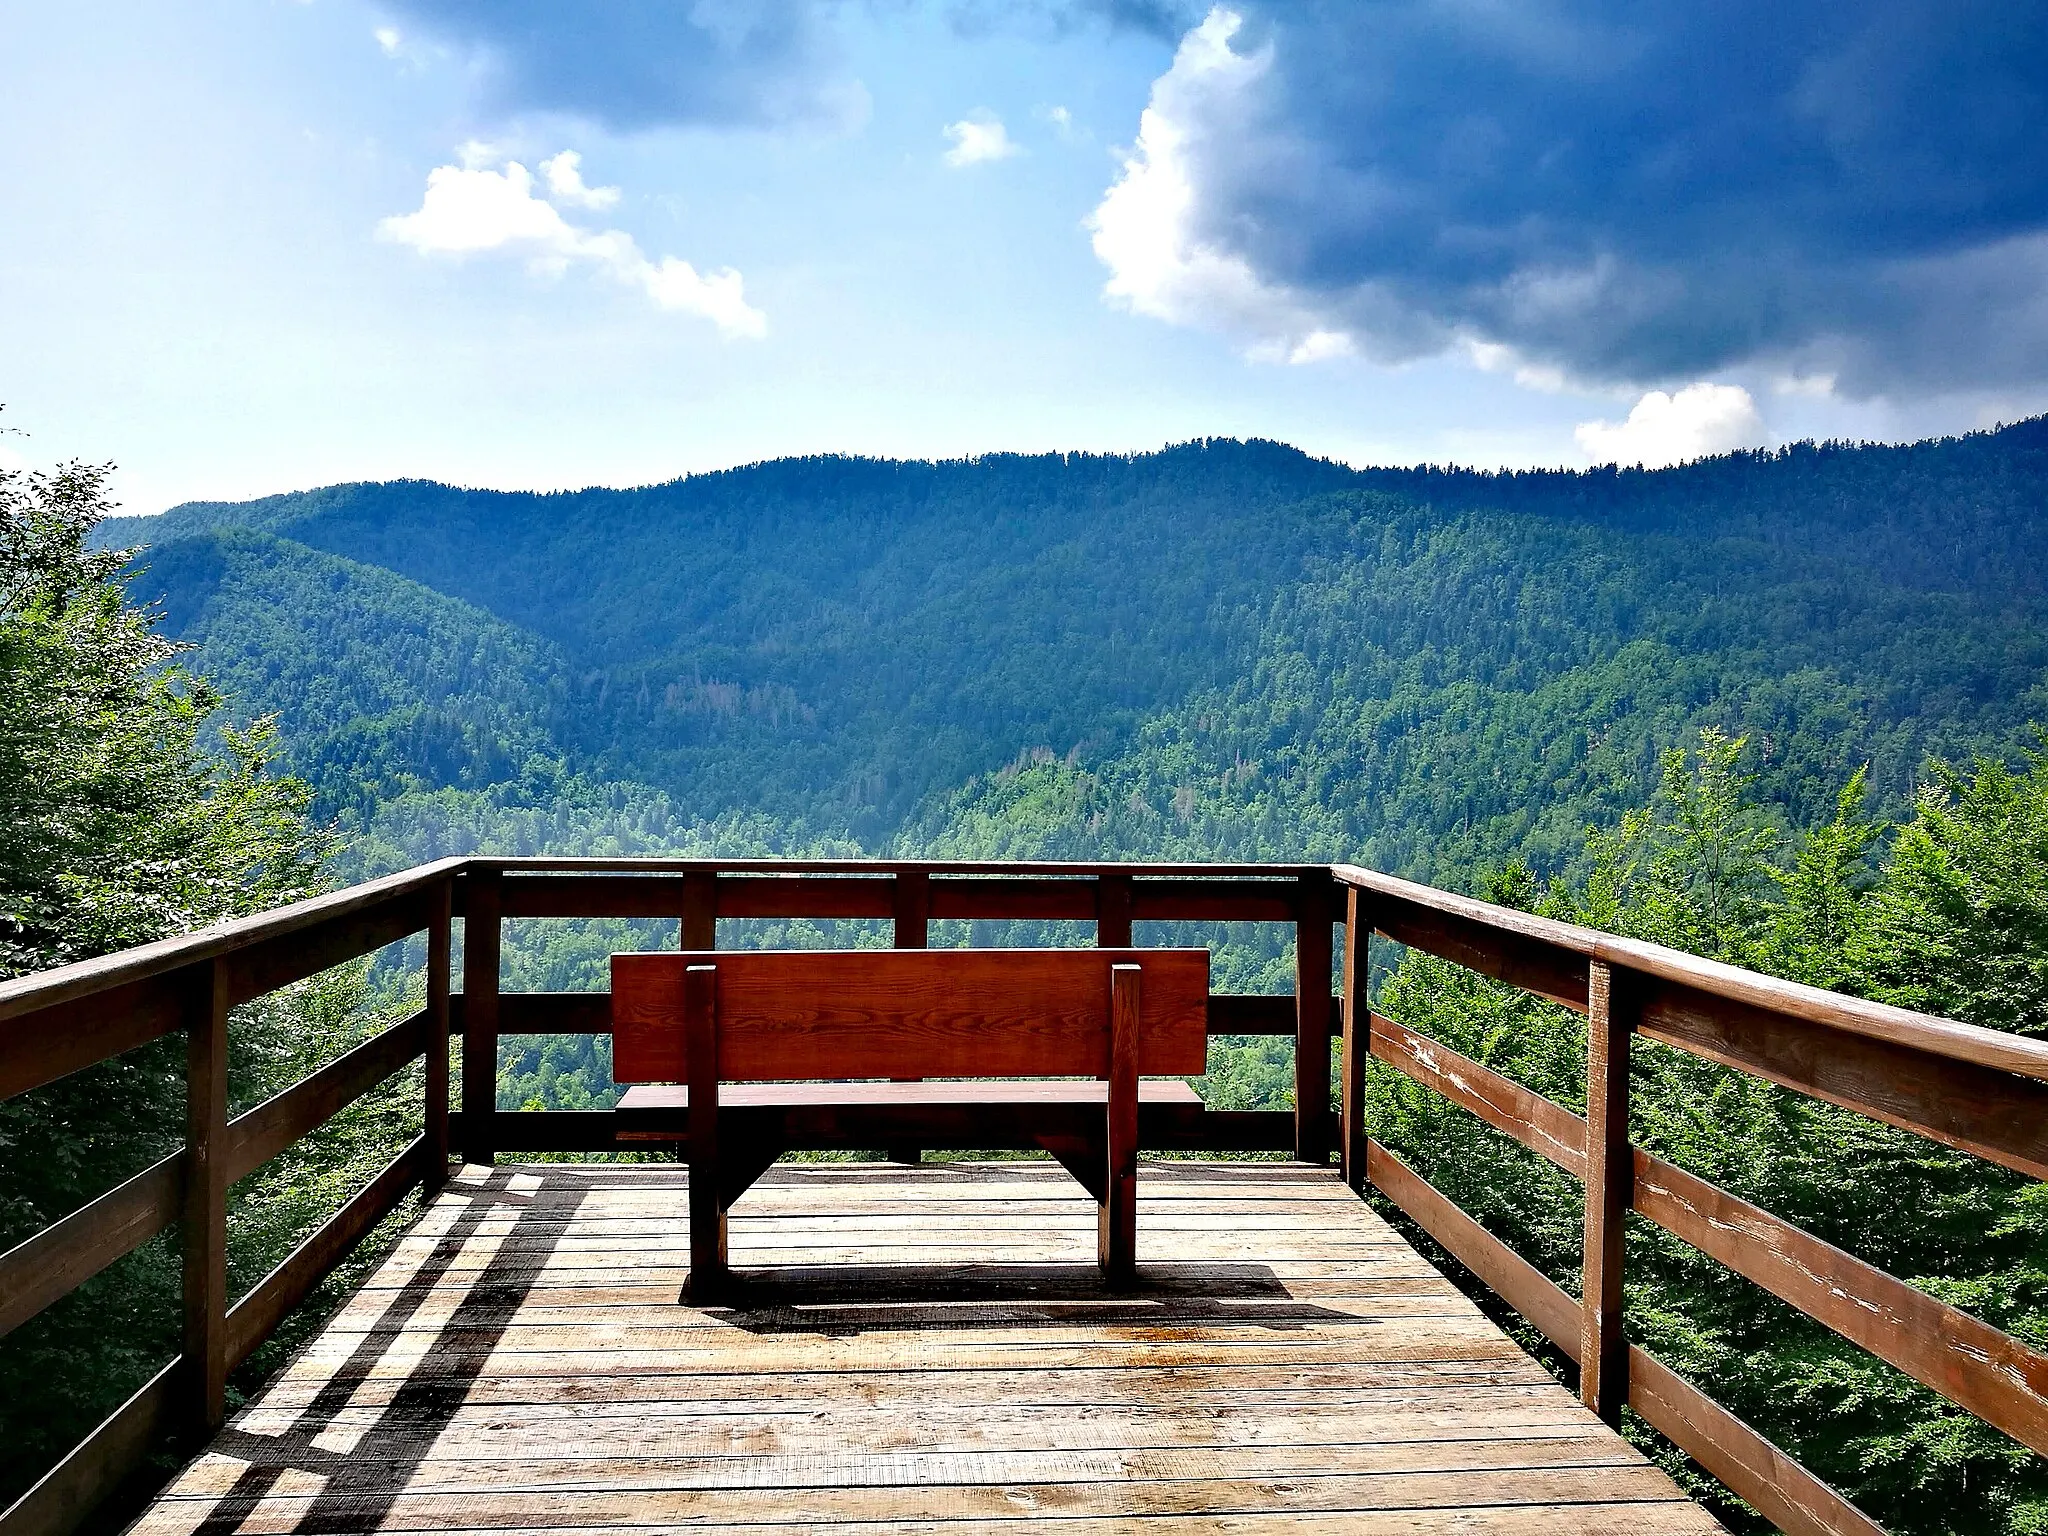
x,y
699,927
1357,1038
480,933
1113,899
913,909
1603,1341
1313,915
205,1217
913,897
440,925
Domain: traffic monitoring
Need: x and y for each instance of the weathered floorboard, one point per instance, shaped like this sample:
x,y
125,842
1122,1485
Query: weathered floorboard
x,y
914,1349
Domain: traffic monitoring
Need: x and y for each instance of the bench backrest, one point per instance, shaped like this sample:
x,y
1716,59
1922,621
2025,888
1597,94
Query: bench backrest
x,y
812,1015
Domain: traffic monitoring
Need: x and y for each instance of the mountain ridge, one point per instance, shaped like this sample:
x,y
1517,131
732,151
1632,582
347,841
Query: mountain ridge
x,y
1439,668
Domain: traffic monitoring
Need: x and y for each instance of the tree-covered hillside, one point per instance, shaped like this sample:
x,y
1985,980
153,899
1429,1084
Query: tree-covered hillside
x,y
1707,706
1222,647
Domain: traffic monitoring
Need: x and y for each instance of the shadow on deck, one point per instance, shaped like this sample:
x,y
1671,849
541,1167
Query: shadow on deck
x,y
914,1349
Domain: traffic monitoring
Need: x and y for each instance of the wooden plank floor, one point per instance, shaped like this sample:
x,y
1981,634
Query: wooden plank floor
x,y
918,1349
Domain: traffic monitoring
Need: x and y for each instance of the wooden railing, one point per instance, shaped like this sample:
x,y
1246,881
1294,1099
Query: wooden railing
x,y
62,1021
1978,1090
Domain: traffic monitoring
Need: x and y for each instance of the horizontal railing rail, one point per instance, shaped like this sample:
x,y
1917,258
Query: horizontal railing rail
x,y
1977,1090
1973,1089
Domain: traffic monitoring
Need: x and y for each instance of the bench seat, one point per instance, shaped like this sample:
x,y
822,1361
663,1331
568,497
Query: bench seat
x,y
817,1117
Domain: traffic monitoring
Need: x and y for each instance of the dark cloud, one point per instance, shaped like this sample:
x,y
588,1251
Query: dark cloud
x,y
1165,19
641,63
1629,190
633,64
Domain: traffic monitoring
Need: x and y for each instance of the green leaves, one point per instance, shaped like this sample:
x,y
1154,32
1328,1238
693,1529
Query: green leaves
x,y
1948,917
127,815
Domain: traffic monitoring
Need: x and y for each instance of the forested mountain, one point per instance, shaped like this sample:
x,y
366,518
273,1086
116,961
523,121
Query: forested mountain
x,y
1222,647
1705,706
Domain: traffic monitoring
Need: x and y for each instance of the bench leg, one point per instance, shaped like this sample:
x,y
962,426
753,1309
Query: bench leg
x,y
1116,1231
1116,1220
709,1276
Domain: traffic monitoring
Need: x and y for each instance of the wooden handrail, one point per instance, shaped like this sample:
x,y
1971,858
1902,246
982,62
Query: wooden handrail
x,y
1970,1088
1920,1032
85,978
1976,1089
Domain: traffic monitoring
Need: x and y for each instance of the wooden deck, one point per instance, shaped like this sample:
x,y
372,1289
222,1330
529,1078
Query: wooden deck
x,y
918,1349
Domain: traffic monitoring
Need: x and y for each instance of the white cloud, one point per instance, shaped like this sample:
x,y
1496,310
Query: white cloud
x,y
979,139
389,40
1492,357
564,175
471,209
717,296
1699,420
467,210
1145,231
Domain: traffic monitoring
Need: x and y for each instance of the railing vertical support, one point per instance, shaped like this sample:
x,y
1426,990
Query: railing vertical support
x,y
913,909
205,1220
440,927
481,923
913,899
1603,1341
699,927
1113,900
1314,913
1357,1039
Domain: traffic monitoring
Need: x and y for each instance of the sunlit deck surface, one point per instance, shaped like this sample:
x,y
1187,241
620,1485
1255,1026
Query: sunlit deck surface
x,y
916,1349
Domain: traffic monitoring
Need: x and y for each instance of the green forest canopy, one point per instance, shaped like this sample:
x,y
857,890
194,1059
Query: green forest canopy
x,y
1710,706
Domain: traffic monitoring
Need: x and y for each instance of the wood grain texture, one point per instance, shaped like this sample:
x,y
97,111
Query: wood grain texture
x,y
434,1082
1315,912
1548,1129
94,1471
73,1033
1514,1279
204,1219
702,1026
1113,900
1976,1366
913,898
590,1013
697,928
67,1253
1783,1491
1966,1104
1038,899
252,1319
1609,1173
901,1013
1546,957
862,1378
1116,1231
26,995
482,930
259,1134
1356,1013
284,958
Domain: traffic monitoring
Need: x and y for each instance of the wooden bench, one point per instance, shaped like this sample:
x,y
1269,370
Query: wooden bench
x,y
793,1031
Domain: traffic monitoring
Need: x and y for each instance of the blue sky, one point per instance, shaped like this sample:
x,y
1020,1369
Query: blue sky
x,y
255,245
